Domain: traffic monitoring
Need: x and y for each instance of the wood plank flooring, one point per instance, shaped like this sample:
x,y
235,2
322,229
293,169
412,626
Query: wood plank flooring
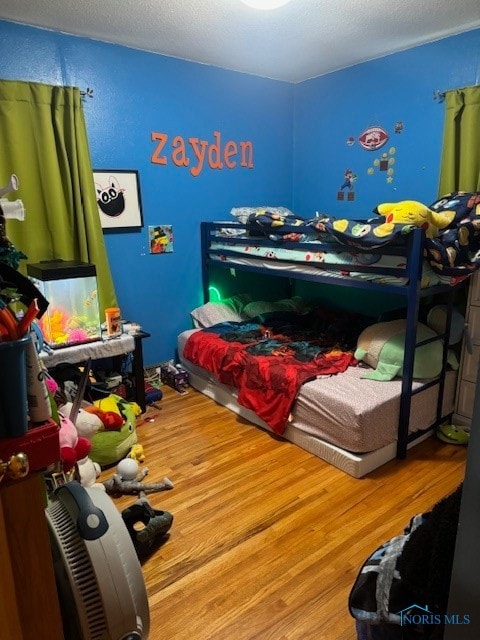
x,y
267,539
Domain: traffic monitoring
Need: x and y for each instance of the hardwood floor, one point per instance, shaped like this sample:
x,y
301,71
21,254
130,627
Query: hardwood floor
x,y
267,539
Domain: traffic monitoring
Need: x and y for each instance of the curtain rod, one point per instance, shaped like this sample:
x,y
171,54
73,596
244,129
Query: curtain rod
x,y
440,95
86,93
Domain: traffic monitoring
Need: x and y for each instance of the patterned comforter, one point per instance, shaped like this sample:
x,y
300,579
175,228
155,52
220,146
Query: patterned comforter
x,y
454,251
269,357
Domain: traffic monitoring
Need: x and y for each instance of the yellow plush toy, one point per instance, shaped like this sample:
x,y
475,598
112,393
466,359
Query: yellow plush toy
x,y
414,213
137,453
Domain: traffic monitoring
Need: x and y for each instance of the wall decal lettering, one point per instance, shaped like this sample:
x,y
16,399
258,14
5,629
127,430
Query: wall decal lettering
x,y
196,153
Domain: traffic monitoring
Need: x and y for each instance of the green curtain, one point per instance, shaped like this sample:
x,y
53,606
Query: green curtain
x,y
43,141
460,165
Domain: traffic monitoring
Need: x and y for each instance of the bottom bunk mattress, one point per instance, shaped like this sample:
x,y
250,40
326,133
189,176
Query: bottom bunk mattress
x,y
348,421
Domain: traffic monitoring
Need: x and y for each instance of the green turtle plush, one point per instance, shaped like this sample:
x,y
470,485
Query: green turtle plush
x,y
382,345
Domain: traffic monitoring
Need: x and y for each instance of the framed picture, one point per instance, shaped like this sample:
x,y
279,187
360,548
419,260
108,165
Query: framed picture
x,y
118,198
160,238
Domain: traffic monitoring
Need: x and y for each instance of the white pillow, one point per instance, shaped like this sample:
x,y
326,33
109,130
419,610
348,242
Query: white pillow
x,y
228,310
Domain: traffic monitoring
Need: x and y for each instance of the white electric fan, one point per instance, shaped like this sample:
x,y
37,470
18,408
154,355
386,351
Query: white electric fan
x,y
99,578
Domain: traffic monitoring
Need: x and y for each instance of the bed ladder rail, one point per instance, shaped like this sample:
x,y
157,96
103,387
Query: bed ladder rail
x,y
404,437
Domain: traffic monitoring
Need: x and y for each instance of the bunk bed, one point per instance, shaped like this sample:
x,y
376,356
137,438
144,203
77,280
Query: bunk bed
x,y
405,410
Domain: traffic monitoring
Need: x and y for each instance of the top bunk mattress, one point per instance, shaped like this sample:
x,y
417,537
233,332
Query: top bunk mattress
x,y
314,261
405,242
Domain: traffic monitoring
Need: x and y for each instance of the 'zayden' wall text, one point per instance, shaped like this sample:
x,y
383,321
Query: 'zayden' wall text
x,y
195,153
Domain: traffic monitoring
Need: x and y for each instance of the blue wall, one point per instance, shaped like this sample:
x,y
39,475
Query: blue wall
x,y
299,133
396,88
136,93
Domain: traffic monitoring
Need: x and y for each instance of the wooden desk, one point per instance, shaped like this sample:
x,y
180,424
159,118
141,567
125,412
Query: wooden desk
x,y
107,348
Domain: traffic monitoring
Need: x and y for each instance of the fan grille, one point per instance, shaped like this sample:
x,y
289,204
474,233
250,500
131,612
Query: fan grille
x,y
81,573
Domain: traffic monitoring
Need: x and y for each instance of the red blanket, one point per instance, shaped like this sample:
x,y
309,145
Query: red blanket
x,y
266,363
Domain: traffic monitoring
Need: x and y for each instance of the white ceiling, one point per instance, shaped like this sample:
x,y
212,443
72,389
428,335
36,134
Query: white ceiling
x,y
301,40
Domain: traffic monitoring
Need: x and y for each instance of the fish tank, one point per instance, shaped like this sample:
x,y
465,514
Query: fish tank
x,y
72,316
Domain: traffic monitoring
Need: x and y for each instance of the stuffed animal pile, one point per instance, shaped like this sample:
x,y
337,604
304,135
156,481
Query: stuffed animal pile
x,y
75,445
81,436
